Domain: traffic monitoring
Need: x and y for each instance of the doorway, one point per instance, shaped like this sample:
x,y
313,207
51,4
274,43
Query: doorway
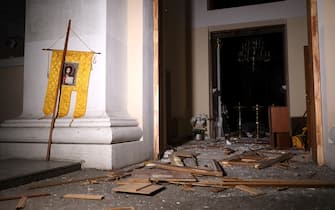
x,y
248,75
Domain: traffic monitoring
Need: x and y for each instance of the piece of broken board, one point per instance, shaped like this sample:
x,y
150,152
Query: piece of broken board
x,y
138,188
84,196
156,174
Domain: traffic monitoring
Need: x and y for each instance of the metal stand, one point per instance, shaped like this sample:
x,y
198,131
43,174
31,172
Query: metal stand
x,y
219,131
239,121
257,122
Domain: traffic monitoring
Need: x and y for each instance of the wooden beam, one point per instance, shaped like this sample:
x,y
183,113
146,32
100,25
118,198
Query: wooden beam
x,y
307,183
84,196
313,41
310,108
156,140
31,195
58,92
186,169
270,162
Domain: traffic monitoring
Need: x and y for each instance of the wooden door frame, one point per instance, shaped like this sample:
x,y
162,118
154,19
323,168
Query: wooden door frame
x,y
156,139
314,58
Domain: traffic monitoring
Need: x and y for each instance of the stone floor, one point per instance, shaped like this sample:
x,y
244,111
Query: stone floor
x,y
176,197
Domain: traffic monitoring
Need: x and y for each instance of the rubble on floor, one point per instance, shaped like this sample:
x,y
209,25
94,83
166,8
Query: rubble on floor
x,y
250,168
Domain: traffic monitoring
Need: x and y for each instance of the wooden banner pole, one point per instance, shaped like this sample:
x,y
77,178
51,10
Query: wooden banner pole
x,y
58,90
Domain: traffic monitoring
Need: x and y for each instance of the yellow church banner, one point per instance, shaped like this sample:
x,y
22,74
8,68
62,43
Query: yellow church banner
x,y
75,78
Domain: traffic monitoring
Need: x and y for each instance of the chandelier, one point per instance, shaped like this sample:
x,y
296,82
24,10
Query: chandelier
x,y
252,51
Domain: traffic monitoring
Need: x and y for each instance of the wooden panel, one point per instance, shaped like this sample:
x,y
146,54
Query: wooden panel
x,y
279,122
314,58
310,104
279,119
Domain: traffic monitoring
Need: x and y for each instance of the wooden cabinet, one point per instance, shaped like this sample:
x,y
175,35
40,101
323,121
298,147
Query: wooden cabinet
x,y
279,122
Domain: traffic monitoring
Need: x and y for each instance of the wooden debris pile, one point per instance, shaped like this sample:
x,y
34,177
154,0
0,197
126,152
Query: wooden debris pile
x,y
151,177
257,160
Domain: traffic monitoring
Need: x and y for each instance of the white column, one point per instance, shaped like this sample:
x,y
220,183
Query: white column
x,y
115,96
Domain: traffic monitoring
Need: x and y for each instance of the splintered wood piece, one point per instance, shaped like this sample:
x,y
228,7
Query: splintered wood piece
x,y
188,187
239,156
250,190
138,188
237,163
132,180
217,167
156,174
32,195
84,196
22,202
231,182
186,169
121,208
270,162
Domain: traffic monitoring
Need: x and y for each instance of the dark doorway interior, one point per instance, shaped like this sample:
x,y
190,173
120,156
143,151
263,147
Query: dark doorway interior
x,y
220,4
252,68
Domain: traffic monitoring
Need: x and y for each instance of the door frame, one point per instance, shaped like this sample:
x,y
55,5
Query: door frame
x,y
315,105
234,32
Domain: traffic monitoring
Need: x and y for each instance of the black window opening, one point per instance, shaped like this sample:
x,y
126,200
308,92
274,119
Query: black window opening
x,y
12,23
221,4
253,73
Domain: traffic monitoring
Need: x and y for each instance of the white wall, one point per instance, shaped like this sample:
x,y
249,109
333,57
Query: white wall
x,y
296,40
289,12
326,23
135,59
46,22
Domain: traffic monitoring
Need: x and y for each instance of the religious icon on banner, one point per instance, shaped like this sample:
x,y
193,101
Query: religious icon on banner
x,y
69,73
75,78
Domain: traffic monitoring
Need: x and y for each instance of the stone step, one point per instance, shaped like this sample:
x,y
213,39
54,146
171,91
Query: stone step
x,y
15,172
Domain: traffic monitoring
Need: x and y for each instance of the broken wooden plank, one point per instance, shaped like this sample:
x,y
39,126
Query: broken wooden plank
x,y
239,156
217,167
22,202
31,195
270,162
250,190
186,169
307,183
156,174
138,188
237,163
84,196
276,183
